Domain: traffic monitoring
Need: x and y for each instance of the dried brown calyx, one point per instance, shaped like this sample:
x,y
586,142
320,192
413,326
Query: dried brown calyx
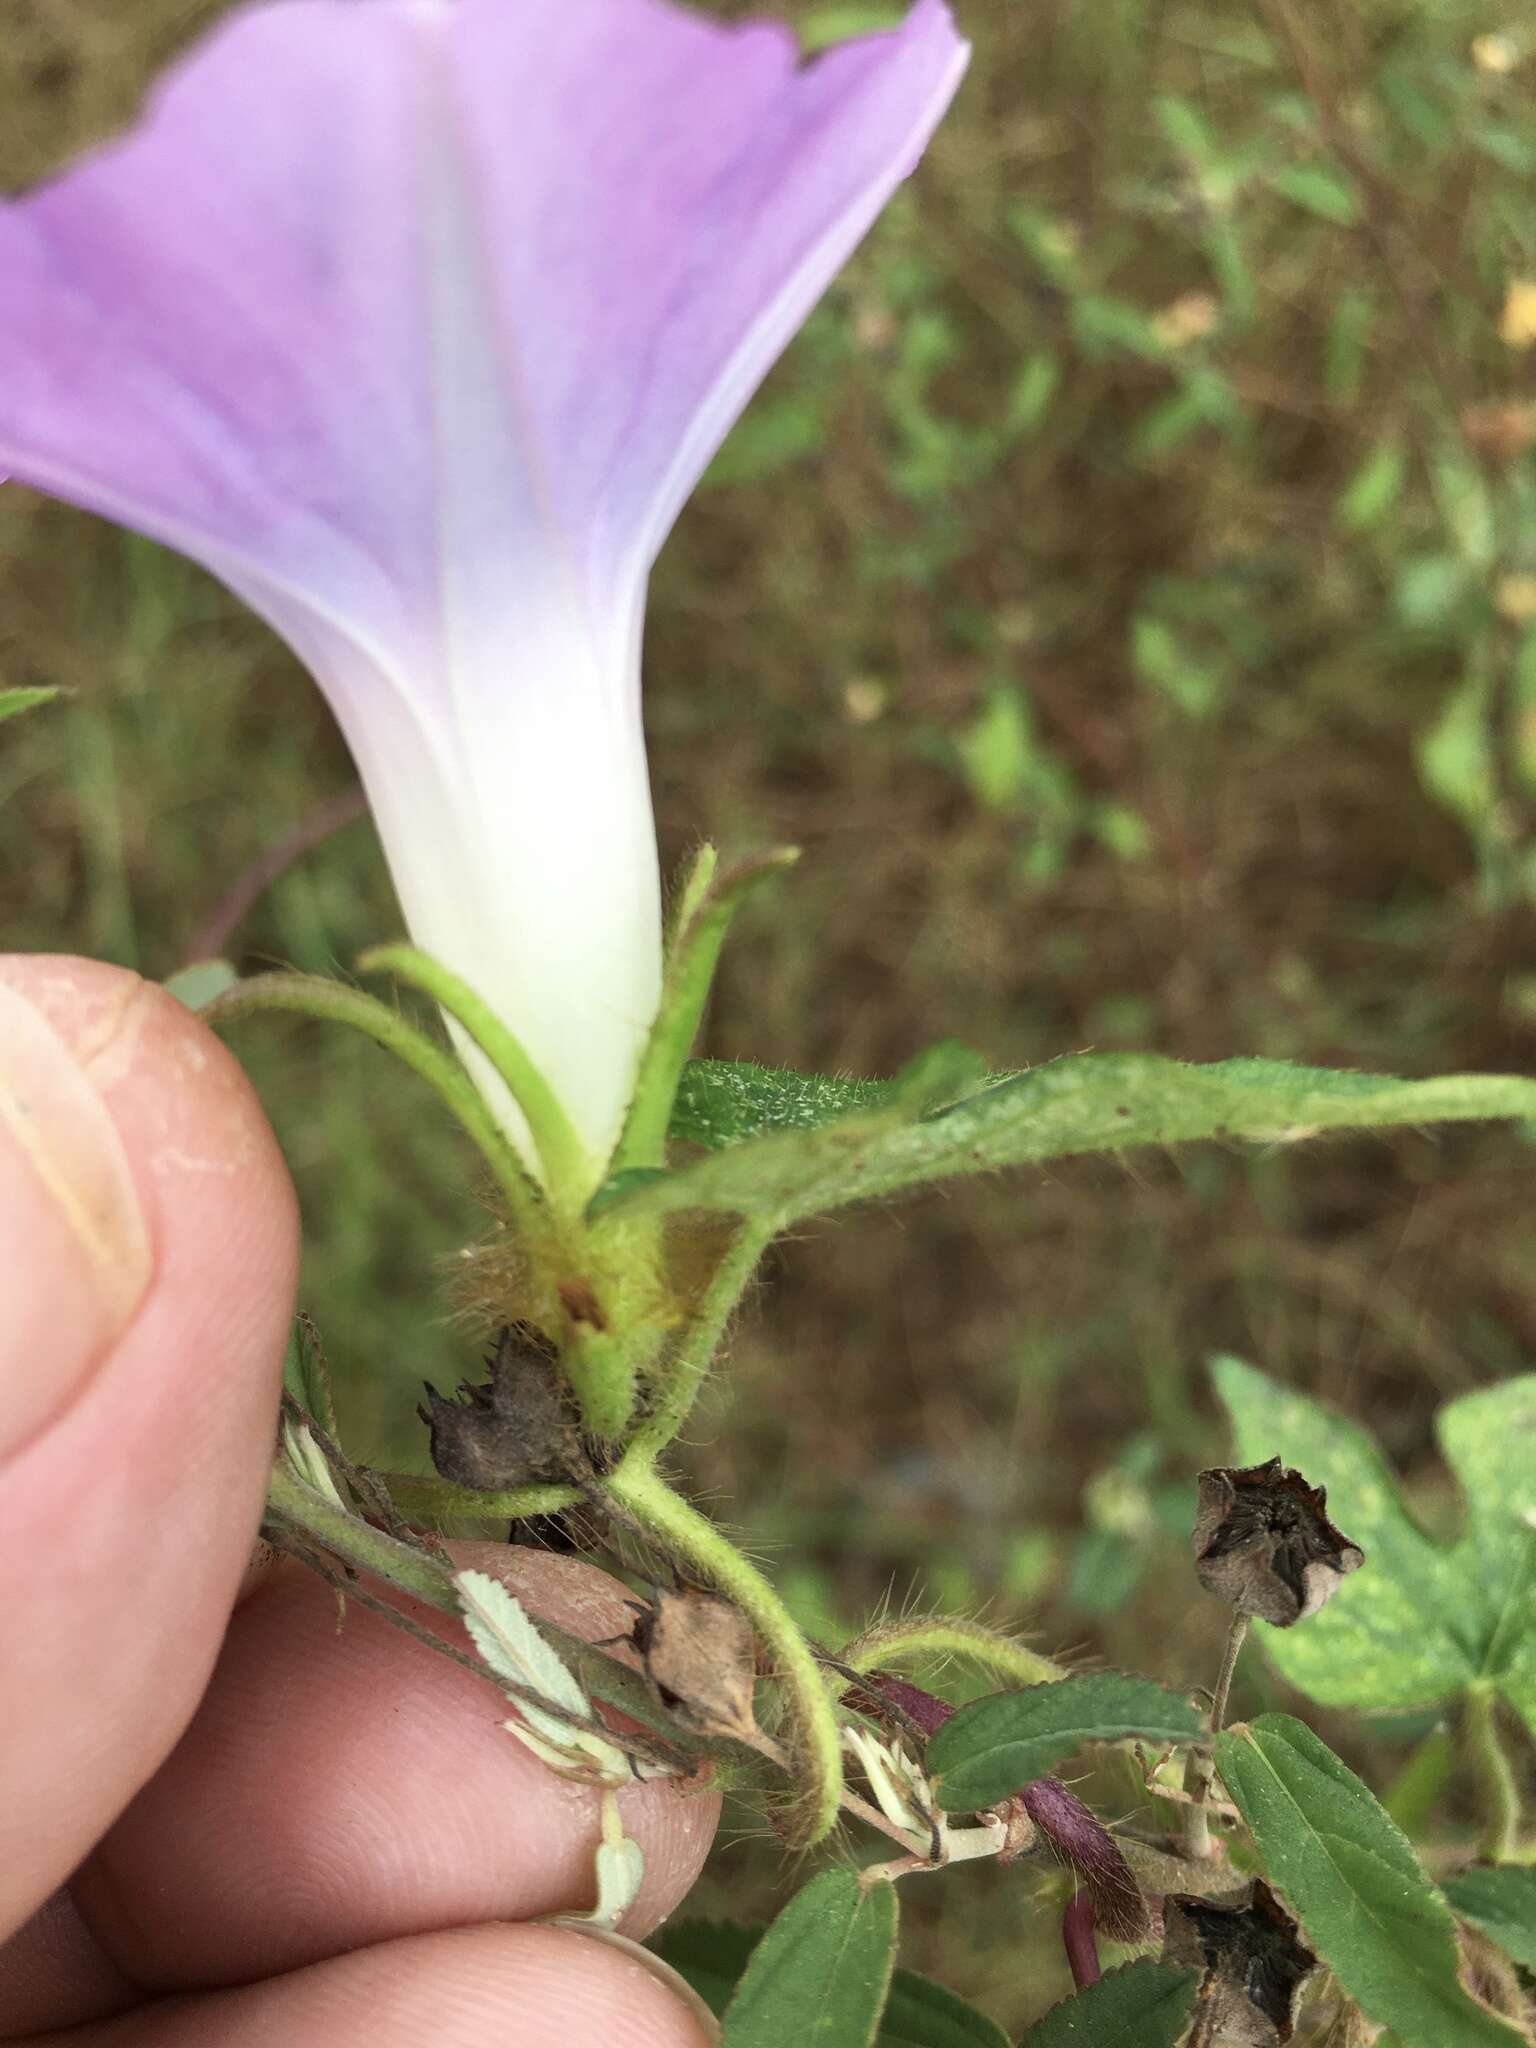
x,y
1264,1544
509,1430
700,1657
1255,1965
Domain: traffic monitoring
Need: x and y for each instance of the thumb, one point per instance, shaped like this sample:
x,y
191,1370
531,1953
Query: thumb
x,y
148,1247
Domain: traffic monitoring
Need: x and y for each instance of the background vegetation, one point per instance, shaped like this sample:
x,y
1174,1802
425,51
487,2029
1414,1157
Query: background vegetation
x,y
1126,594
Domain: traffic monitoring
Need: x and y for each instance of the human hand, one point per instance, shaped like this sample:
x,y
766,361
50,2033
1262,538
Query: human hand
x,y
241,1823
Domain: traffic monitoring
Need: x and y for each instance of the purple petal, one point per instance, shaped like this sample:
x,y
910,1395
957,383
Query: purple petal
x,y
416,322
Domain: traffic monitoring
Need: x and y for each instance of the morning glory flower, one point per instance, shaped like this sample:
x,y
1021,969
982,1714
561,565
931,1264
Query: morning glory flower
x,y
416,321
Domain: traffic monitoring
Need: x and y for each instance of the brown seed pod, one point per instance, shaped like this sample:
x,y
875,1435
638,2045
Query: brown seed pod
x,y
1254,1961
699,1657
509,1430
1264,1544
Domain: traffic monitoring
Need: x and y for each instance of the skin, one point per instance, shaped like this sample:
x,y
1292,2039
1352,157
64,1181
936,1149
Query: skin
x,y
224,1817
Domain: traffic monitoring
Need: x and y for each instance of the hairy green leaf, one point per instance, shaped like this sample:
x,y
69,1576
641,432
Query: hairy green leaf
x,y
1420,1622
922,2014
992,1747
1090,1102
1144,2005
712,1955
1350,1876
306,1375
1502,1903
820,1975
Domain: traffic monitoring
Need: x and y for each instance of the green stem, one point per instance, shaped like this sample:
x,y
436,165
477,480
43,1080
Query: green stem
x,y
951,1637
310,995
358,1543
690,1367
294,1507
682,1530
567,1169
436,1500
1496,1774
1201,1769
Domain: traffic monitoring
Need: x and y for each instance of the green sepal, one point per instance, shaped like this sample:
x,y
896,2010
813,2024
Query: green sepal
x,y
313,995
707,906
306,1375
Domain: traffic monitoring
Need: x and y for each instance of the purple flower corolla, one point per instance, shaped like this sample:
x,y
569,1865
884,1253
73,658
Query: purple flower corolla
x,y
416,321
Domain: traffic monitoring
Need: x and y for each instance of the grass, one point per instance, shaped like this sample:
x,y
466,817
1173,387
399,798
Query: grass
x,y
1124,593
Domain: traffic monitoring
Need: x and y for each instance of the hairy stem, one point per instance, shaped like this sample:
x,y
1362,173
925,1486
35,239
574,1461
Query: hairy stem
x,y
1498,1785
1079,1941
439,1501
680,1529
293,1507
1202,1765
894,1642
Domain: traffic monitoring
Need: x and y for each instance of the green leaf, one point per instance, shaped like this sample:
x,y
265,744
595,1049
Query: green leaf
x,y
712,1955
819,1976
722,1102
922,2014
306,1376
201,983
1420,1622
824,27
1489,1441
1350,1876
1502,1903
990,1748
1144,2005
1090,1102
13,702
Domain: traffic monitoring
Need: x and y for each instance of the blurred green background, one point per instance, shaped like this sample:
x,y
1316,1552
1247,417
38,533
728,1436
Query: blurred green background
x,y
1125,592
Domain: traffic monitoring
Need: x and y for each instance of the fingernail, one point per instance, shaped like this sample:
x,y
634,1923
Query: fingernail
x,y
662,1972
74,1244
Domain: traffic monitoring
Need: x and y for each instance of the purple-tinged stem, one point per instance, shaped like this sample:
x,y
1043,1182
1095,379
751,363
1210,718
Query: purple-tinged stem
x,y
1077,1938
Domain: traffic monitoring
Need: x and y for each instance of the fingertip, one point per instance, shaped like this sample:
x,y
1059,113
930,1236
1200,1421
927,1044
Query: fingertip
x,y
134,1487
344,1785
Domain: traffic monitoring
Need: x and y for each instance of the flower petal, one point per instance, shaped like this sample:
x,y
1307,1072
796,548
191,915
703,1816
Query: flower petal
x,y
416,322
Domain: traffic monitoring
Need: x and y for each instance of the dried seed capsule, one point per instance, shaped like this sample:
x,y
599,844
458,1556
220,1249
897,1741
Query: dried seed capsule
x,y
1254,1961
510,1429
1264,1544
